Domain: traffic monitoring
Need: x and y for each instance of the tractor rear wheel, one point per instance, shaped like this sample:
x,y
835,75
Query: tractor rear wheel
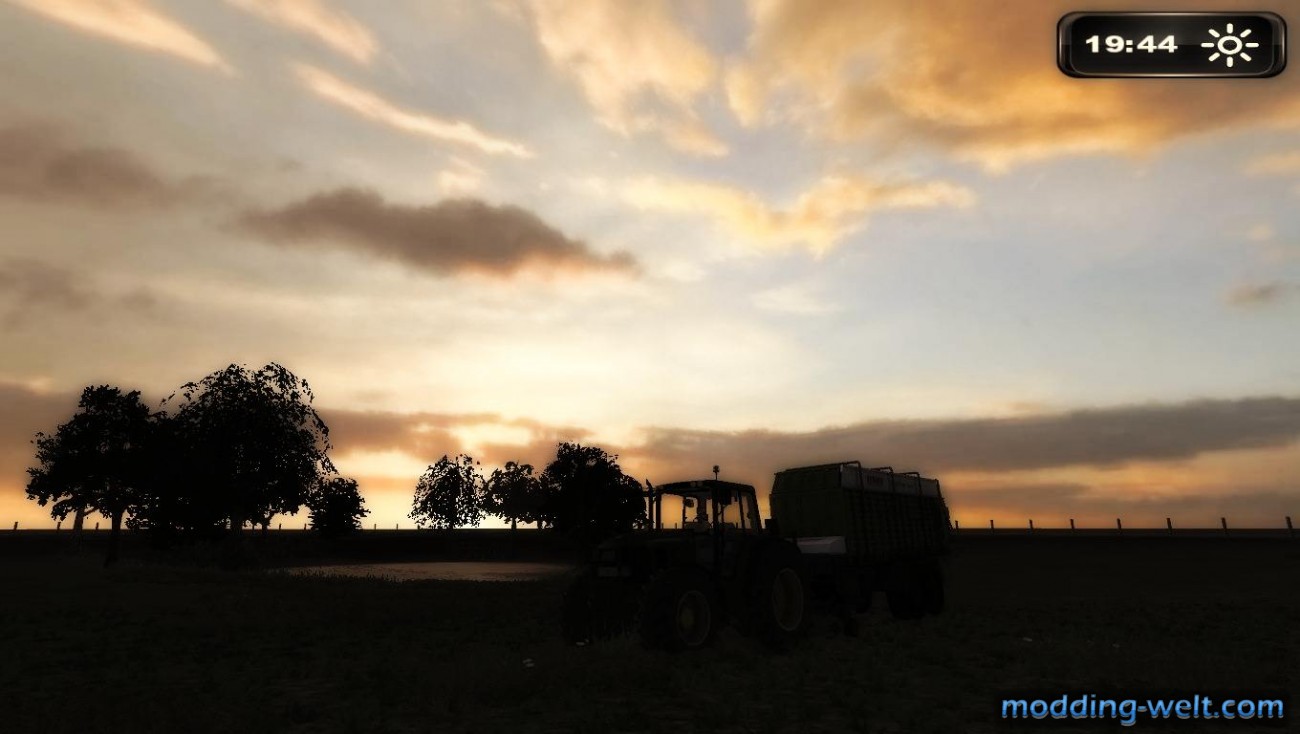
x,y
679,611
905,592
776,596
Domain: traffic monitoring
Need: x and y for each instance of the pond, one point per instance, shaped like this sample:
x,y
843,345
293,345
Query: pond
x,y
441,570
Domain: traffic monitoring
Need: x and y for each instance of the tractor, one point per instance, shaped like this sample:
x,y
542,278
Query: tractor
x,y
676,587
838,534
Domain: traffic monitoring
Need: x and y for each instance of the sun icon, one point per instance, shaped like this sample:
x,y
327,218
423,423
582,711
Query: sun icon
x,y
1229,46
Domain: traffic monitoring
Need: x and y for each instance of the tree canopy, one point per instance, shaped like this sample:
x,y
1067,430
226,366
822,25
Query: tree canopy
x,y
336,507
449,494
252,443
513,493
588,495
94,462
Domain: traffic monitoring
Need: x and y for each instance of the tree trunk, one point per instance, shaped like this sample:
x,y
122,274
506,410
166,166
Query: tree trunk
x,y
80,519
114,539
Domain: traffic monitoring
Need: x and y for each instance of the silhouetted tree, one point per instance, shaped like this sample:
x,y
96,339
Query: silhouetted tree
x,y
588,495
95,461
513,493
336,507
449,494
173,504
252,443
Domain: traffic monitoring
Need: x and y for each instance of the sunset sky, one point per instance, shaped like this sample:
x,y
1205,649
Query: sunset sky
x,y
756,234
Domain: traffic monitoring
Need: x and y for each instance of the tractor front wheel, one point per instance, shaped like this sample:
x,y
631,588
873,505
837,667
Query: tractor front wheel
x,y
776,597
679,611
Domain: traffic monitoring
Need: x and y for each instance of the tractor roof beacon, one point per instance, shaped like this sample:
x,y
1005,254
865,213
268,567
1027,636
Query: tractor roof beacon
x,y
838,533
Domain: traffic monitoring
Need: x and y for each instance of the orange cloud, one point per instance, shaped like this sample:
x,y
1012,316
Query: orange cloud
x,y
372,106
637,65
835,207
982,84
336,29
1278,164
133,22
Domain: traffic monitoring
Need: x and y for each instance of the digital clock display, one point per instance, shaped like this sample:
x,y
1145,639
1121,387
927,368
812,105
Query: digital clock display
x,y
1171,44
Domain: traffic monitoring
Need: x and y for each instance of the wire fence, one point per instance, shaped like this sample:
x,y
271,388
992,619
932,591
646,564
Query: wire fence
x,y
1119,529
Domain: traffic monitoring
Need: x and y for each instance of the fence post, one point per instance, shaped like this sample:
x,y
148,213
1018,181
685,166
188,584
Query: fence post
x,y
96,526
279,526
991,528
956,524
1169,523
15,524
1071,525
1031,524
1289,529
1119,526
304,526
397,526
1224,522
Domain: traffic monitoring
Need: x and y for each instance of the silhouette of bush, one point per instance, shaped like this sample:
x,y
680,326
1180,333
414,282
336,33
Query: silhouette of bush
x,y
336,507
449,494
513,493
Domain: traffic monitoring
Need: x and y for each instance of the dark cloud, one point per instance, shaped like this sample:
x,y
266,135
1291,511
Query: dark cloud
x,y
29,288
455,235
1100,437
1249,295
36,163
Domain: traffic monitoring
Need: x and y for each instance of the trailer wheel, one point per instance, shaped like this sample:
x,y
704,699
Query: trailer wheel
x,y
932,574
905,592
776,596
679,611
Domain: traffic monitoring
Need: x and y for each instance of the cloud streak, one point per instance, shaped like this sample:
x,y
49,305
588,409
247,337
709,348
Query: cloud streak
x,y
37,164
373,107
334,28
1097,437
132,22
816,221
638,67
32,287
452,236
1251,295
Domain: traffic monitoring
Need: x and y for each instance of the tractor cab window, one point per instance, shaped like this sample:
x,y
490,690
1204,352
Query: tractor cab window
x,y
729,514
695,512
749,512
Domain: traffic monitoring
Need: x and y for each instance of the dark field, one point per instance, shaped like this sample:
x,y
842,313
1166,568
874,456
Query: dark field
x,y
154,648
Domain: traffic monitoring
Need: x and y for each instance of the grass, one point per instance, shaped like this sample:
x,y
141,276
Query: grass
x,y
149,648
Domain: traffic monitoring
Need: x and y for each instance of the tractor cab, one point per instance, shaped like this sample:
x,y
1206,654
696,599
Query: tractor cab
x,y
704,505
